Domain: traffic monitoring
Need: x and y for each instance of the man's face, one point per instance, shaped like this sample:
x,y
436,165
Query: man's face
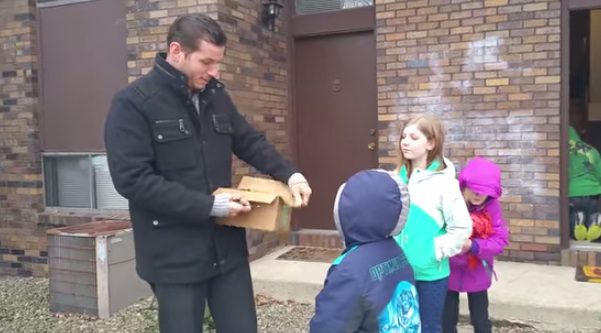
x,y
200,65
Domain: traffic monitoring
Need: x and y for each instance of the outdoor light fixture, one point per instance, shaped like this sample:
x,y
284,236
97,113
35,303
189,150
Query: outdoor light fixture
x,y
271,10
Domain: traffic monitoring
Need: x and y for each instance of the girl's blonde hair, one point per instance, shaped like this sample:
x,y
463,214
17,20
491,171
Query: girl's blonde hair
x,y
433,129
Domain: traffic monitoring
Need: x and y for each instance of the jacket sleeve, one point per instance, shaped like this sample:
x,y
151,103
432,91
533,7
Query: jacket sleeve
x,y
128,141
252,147
495,244
596,161
458,224
338,307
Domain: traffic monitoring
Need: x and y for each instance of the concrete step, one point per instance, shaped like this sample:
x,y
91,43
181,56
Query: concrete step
x,y
546,297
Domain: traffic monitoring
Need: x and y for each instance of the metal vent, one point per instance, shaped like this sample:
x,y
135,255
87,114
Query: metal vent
x,y
73,174
107,196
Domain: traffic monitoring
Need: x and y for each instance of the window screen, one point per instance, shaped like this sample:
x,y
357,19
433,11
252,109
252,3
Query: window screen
x,y
317,6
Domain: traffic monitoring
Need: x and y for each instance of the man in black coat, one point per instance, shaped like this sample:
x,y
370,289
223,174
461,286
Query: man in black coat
x,y
169,139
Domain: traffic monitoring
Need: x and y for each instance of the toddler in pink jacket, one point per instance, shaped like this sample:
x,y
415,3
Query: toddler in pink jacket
x,y
480,182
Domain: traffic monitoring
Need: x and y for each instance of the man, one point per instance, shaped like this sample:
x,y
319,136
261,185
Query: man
x,y
169,138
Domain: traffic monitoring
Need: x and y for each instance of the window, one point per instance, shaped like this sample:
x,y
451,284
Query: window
x,y
318,6
80,181
78,83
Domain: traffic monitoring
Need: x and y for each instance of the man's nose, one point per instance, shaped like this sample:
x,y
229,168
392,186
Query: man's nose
x,y
214,72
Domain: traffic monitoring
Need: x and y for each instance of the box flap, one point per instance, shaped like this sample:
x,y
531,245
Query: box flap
x,y
252,196
270,186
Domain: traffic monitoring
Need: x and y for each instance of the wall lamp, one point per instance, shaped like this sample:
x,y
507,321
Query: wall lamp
x,y
271,10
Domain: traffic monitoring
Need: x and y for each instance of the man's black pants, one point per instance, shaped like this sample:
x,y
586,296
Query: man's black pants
x,y
229,296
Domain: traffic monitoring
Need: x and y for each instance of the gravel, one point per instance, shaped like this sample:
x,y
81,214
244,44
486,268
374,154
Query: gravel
x,y
24,309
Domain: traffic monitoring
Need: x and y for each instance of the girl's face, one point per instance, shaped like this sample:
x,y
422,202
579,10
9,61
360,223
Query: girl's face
x,y
414,144
473,198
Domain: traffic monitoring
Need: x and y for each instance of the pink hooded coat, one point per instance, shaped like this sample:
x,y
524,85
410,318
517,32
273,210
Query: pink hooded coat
x,y
484,177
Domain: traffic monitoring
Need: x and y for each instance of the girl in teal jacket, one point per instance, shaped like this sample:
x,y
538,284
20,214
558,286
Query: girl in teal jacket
x,y
439,224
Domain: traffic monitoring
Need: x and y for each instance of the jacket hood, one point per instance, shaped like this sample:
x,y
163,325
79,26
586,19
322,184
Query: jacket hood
x,y
434,169
573,135
372,205
481,176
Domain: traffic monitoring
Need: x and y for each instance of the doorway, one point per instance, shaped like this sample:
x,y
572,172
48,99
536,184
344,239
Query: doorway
x,y
581,102
335,103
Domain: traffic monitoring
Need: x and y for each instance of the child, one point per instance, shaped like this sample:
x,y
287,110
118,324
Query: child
x,y
584,178
370,287
471,272
439,224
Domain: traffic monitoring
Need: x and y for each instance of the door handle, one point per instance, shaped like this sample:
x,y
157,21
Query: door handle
x,y
371,146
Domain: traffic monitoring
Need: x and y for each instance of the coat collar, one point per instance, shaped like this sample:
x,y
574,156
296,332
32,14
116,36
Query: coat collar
x,y
176,79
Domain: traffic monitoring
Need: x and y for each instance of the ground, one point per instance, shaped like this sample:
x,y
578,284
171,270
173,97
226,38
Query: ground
x,y
24,309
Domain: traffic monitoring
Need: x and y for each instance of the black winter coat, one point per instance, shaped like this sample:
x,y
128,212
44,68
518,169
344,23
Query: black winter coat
x,y
166,159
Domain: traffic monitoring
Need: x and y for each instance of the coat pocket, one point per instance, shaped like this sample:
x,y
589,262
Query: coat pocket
x,y
174,144
222,124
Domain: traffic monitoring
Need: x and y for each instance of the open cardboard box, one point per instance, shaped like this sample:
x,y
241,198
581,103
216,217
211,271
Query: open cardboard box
x,y
271,202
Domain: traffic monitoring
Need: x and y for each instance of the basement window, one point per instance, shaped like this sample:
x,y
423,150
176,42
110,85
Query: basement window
x,y
80,181
318,6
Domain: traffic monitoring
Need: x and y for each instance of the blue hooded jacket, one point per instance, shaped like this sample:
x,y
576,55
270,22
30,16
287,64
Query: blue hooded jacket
x,y
370,287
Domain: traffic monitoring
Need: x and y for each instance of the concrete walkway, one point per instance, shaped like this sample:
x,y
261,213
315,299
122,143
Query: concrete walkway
x,y
546,297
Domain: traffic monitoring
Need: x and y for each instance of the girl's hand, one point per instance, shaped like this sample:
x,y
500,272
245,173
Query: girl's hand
x,y
467,245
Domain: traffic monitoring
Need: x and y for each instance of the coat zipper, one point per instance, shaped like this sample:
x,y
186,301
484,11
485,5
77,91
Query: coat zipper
x,y
181,126
490,271
164,121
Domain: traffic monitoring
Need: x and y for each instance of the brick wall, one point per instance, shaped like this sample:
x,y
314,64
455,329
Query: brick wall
x,y
22,245
255,70
147,27
491,70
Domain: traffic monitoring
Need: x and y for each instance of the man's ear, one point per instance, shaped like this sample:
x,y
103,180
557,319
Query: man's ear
x,y
176,51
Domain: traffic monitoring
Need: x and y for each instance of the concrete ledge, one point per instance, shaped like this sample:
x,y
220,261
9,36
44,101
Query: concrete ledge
x,y
546,297
288,280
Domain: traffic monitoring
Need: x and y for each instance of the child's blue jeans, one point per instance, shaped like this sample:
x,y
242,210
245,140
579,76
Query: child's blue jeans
x,y
432,295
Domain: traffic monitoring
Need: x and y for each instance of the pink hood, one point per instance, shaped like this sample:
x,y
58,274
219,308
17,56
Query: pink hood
x,y
481,176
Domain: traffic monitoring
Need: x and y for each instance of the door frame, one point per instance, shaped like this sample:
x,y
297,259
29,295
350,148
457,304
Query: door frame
x,y
361,19
567,6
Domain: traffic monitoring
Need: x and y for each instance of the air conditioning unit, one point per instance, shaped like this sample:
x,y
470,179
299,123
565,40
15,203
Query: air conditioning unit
x,y
92,269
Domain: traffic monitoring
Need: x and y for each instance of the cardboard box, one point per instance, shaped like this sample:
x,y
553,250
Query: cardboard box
x,y
271,202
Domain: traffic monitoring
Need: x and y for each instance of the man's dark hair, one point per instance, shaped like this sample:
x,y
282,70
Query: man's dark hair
x,y
189,30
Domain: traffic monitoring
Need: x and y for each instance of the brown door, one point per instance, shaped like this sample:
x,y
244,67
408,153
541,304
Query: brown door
x,y
336,113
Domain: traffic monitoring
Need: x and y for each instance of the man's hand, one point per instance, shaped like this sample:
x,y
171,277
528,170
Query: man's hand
x,y
238,205
301,192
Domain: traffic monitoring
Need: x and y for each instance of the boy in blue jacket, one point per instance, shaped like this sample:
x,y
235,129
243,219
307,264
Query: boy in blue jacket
x,y
370,287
